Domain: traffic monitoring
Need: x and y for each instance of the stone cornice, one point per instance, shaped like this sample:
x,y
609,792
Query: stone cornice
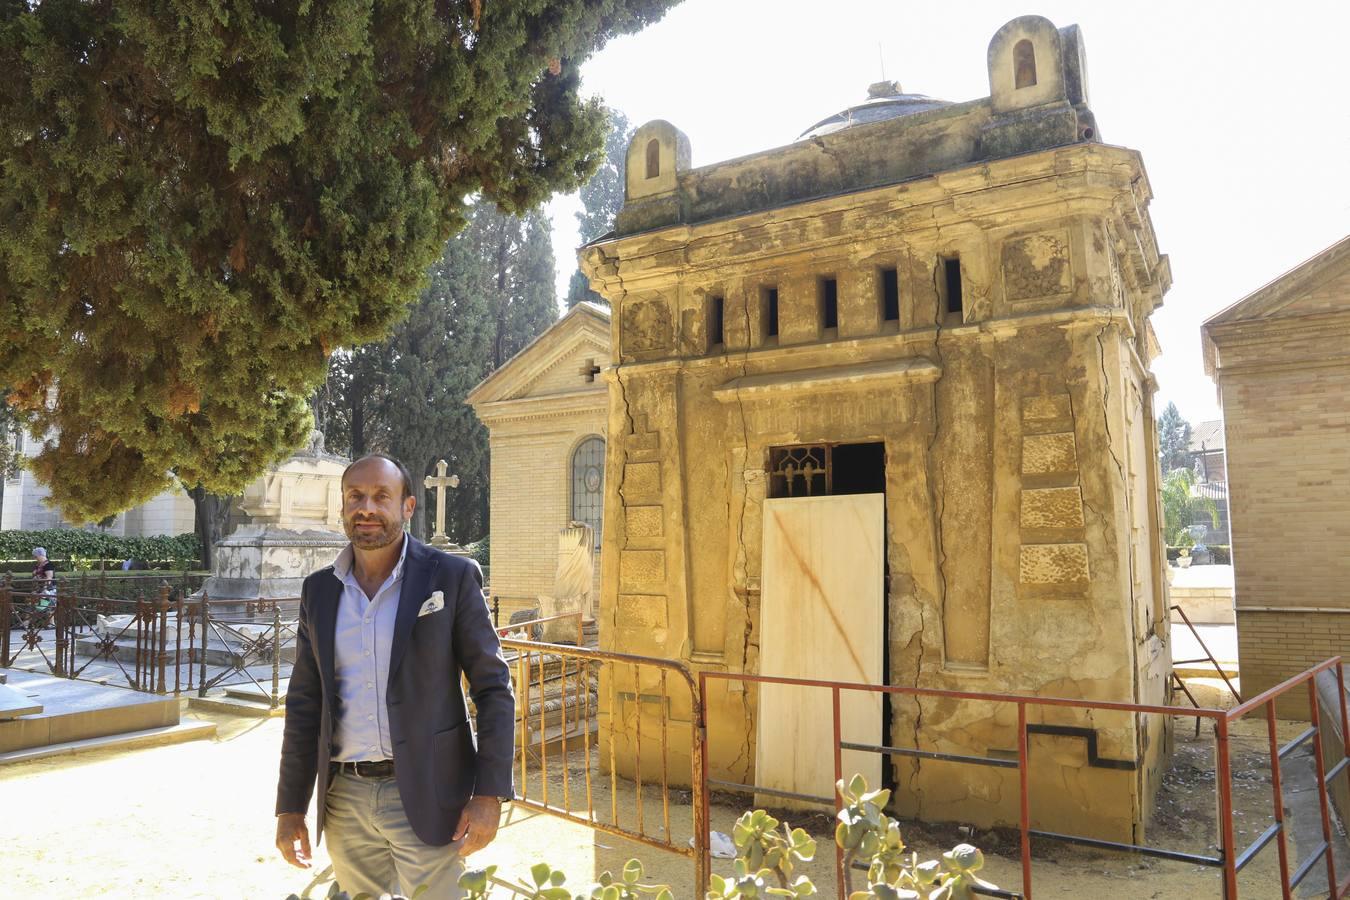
x,y
776,386
546,406
1087,178
904,342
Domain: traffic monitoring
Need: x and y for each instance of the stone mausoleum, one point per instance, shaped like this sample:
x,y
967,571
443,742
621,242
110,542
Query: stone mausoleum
x,y
880,410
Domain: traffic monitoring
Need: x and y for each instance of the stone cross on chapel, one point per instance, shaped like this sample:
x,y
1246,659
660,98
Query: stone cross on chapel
x,y
440,481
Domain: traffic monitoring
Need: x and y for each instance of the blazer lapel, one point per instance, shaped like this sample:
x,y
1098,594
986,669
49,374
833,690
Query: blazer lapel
x,y
323,624
418,568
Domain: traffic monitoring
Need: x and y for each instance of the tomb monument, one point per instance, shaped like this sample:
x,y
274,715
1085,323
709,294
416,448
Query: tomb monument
x,y
881,410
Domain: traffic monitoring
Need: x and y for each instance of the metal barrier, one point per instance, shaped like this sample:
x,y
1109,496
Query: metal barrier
x,y
158,644
559,691
1230,859
1208,657
250,640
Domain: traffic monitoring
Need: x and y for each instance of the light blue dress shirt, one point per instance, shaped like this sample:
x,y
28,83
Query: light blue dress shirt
x,y
361,642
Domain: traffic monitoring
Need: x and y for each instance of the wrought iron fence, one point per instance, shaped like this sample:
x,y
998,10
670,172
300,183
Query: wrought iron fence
x,y
159,642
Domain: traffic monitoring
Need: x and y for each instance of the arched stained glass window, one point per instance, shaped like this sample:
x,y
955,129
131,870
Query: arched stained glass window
x,y
588,484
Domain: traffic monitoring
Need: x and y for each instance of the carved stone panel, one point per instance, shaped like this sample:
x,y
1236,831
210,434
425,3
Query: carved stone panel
x,y
1037,266
647,326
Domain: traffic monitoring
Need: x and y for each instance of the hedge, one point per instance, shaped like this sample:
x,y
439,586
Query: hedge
x,y
66,543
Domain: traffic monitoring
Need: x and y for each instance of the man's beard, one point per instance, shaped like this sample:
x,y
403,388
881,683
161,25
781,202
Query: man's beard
x,y
372,540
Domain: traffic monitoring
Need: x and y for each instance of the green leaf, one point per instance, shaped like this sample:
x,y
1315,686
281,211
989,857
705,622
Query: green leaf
x,y
540,874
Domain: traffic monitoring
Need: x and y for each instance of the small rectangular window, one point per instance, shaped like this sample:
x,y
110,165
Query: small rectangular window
x,y
951,277
716,321
829,303
770,311
890,295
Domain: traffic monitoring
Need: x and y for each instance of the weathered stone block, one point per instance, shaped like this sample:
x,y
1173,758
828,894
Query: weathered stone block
x,y
642,611
1048,454
1037,266
1052,508
1054,564
639,567
645,521
1046,407
647,325
641,480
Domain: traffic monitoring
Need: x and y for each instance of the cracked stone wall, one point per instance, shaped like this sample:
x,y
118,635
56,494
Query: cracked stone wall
x,y
1023,548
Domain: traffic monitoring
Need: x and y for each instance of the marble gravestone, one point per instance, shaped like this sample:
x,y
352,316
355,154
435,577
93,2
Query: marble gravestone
x,y
573,584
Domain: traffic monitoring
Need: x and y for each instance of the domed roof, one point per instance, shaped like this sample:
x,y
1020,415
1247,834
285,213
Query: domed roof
x,y
884,101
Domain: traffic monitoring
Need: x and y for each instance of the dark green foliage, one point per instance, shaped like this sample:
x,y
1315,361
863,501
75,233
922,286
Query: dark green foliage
x,y
1174,439
62,544
601,199
489,295
201,201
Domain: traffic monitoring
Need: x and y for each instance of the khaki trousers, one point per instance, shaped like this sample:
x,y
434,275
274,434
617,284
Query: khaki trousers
x,y
374,849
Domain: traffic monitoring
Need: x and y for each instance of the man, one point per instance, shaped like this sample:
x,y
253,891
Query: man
x,y
375,713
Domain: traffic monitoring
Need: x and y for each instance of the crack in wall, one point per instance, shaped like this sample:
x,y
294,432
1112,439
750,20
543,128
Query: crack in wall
x,y
623,451
938,501
1106,406
740,540
1082,492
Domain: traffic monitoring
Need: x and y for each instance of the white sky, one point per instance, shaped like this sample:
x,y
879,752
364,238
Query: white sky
x,y
1239,109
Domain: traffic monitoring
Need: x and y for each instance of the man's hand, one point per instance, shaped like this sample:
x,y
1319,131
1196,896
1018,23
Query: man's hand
x,y
291,830
478,824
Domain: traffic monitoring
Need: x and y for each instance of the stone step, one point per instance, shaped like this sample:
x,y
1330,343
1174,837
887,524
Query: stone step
x,y
236,706
148,737
255,694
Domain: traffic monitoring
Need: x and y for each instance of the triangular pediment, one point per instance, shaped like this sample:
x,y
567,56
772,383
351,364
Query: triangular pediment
x,y
1318,285
553,362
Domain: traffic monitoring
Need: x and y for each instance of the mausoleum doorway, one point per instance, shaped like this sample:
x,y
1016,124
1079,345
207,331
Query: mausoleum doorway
x,y
823,609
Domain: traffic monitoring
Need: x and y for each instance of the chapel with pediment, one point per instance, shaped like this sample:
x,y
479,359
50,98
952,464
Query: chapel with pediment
x,y
546,411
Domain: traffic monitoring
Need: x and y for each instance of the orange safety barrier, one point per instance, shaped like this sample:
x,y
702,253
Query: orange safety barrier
x,y
1230,859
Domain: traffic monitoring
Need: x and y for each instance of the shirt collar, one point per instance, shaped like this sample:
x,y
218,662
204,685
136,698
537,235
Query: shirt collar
x,y
342,566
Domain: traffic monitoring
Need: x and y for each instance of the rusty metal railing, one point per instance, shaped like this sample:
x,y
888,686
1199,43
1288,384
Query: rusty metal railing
x,y
562,695
1230,859
158,643
1208,657
529,626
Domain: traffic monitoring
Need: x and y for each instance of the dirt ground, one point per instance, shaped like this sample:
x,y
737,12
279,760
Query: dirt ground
x,y
195,820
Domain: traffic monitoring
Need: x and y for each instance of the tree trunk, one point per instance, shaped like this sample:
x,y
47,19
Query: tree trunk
x,y
3,479
211,516
422,515
357,421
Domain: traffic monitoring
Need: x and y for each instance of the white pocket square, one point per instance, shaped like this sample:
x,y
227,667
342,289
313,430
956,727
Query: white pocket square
x,y
433,603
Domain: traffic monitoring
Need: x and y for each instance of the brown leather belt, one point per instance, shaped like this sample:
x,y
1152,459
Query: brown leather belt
x,y
375,768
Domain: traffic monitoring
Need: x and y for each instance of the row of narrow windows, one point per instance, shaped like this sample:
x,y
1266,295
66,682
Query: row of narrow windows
x,y
827,302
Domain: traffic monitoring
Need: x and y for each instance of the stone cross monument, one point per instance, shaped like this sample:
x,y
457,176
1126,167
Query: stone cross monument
x,y
440,481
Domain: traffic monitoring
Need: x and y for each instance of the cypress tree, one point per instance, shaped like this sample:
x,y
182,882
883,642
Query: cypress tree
x,y
202,201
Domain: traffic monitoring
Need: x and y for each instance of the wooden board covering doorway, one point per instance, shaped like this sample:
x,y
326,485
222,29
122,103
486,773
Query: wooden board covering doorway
x,y
821,616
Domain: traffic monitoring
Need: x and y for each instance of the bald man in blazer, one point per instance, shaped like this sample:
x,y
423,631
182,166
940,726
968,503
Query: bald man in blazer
x,y
375,715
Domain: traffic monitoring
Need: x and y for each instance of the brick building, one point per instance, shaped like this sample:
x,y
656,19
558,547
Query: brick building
x,y
545,411
1281,360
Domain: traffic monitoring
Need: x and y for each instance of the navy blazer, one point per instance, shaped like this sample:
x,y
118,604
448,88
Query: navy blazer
x,y
439,763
